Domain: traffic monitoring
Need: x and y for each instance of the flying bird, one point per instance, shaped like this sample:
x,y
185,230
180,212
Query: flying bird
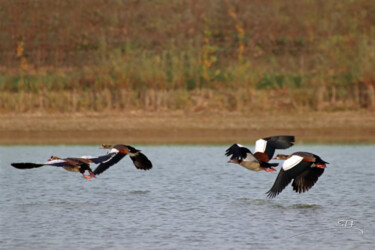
x,y
302,167
118,152
72,164
264,151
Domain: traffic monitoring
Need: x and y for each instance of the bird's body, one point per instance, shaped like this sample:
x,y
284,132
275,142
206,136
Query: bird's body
x,y
71,164
303,168
254,166
264,150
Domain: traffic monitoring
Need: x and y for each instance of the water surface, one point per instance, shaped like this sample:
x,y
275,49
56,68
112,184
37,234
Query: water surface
x,y
191,199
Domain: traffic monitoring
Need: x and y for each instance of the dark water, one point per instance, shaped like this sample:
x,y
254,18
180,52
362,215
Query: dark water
x,y
192,199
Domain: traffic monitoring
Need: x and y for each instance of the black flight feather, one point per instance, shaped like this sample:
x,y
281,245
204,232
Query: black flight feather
x,y
278,142
282,180
307,179
237,152
141,161
26,165
107,164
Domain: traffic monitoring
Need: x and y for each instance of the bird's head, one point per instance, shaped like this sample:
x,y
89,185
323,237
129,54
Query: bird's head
x,y
281,157
53,157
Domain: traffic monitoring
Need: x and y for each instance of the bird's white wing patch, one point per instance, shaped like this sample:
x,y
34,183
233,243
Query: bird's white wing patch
x,y
292,162
54,162
113,150
260,145
87,157
111,157
239,145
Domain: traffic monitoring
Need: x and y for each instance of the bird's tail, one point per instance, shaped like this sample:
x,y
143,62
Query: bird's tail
x,y
106,146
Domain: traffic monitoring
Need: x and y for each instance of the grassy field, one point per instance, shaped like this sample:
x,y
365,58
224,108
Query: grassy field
x,y
186,128
99,56
186,71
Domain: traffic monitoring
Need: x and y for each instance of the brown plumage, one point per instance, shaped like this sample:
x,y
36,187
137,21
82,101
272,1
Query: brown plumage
x,y
79,164
119,151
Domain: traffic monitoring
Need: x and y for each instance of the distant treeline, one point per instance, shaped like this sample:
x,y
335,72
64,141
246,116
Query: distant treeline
x,y
99,55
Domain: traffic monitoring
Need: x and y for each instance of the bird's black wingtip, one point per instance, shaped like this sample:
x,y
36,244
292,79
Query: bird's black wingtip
x,y
99,171
281,141
141,161
229,151
271,195
26,165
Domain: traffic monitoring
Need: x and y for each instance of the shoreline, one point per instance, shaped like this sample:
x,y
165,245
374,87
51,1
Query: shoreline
x,y
178,127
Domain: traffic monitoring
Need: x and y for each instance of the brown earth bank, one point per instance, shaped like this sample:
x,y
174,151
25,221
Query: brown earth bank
x,y
138,127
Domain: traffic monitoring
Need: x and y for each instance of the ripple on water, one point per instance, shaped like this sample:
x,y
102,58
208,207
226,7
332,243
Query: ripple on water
x,y
276,204
304,206
245,200
186,201
139,192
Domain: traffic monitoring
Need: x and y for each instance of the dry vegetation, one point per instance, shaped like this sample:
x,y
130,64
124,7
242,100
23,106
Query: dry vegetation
x,y
192,55
186,71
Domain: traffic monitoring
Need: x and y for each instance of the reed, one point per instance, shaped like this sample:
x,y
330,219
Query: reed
x,y
193,55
